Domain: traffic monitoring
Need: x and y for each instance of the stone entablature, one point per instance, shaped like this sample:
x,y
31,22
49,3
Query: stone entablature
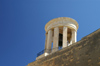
x,y
62,21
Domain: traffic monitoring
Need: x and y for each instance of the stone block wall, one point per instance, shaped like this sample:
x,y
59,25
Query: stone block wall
x,y
86,52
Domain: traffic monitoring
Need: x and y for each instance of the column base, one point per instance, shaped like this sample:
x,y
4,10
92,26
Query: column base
x,y
46,54
43,55
54,50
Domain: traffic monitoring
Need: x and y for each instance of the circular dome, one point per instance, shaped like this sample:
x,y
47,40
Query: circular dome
x,y
62,21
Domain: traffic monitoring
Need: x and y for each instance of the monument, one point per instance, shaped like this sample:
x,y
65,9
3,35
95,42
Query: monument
x,y
61,32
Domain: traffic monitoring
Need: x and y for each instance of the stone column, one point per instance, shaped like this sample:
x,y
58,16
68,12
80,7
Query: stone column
x,y
56,39
74,35
71,40
46,41
49,41
64,37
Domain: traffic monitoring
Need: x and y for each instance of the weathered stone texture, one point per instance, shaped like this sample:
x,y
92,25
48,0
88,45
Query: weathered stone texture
x,y
86,52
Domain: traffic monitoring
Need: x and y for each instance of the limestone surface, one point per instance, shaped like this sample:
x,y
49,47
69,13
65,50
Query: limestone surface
x,y
85,52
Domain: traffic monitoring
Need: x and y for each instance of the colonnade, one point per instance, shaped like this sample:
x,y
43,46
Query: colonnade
x,y
54,37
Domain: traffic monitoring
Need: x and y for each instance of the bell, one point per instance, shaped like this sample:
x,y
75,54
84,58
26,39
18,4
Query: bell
x,y
60,40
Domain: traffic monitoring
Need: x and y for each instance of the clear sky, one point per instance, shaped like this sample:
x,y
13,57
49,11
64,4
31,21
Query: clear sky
x,y
22,23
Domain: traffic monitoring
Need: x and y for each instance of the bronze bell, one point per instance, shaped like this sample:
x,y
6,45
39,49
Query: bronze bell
x,y
60,40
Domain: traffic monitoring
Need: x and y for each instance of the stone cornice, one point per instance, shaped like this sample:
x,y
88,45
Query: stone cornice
x,y
61,20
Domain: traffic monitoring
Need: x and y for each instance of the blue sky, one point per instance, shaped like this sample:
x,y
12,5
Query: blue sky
x,y
22,23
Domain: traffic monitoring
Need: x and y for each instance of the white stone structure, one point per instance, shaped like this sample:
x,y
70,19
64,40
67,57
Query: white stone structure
x,y
59,32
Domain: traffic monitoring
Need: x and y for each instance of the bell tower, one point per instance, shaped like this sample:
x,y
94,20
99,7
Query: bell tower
x,y
61,32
